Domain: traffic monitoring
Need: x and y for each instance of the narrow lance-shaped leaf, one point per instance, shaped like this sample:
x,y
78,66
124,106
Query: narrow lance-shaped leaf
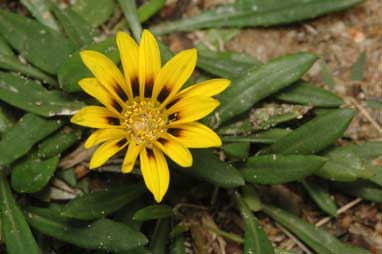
x,y
152,212
58,142
321,241
17,234
159,238
73,69
6,119
252,15
45,48
208,167
103,234
255,239
18,140
95,12
305,93
278,169
225,64
33,174
315,135
321,196
178,246
77,29
260,82
344,165
149,8
33,97
362,189
9,61
358,68
40,10
129,9
97,204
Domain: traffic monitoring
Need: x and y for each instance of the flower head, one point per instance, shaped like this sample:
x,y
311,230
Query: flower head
x,y
145,109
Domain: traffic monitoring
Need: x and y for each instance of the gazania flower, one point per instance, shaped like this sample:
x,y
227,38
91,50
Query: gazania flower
x,y
145,111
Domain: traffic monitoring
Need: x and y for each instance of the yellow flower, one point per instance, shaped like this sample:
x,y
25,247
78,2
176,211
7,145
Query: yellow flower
x,y
145,109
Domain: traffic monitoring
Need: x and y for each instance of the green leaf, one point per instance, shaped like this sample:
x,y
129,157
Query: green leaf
x,y
327,75
95,12
315,135
321,196
251,198
358,68
344,165
73,70
45,48
159,238
362,189
103,234
316,238
149,8
9,61
225,64
178,246
264,137
208,167
252,16
40,10
374,103
153,212
255,239
305,93
129,9
33,97
33,174
367,150
6,119
272,114
18,140
76,28
278,169
238,150
17,235
98,204
260,82
58,142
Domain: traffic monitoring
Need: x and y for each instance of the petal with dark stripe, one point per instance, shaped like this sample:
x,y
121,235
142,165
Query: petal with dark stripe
x,y
195,135
191,109
131,156
175,150
106,151
174,74
155,172
95,117
149,62
107,73
102,135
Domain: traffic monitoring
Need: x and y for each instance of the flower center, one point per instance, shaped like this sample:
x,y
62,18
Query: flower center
x,y
143,120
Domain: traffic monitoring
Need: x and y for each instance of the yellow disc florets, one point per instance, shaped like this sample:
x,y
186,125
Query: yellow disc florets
x,y
144,120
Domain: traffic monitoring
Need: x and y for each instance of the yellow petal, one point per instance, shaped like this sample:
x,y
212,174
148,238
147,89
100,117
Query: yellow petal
x,y
131,156
129,51
190,109
195,135
107,73
95,117
175,150
210,88
149,63
155,172
174,74
92,87
103,135
105,151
